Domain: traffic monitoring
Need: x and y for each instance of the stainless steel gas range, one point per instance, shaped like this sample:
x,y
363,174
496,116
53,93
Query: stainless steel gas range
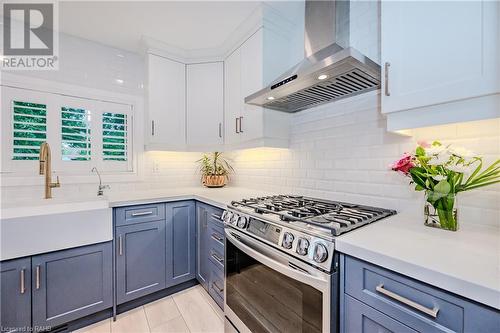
x,y
281,272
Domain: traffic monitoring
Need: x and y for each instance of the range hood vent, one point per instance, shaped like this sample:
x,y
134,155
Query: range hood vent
x,y
331,73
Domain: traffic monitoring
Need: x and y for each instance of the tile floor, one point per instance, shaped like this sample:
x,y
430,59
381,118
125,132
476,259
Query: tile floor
x,y
191,310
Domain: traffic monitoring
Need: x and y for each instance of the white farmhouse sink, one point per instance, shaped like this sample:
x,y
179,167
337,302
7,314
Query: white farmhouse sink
x,y
49,225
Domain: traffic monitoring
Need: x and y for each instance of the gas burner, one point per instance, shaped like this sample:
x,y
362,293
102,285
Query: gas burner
x,y
331,217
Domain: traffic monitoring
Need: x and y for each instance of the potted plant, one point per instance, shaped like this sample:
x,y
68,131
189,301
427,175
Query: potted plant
x,y
214,169
443,172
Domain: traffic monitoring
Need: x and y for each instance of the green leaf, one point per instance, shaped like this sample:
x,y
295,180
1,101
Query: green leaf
x,y
443,187
419,188
420,151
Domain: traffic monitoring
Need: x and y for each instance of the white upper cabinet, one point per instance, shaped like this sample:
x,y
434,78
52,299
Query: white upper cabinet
x,y
440,61
165,104
232,97
205,105
248,126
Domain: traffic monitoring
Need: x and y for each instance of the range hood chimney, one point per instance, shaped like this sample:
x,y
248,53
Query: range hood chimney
x,y
331,70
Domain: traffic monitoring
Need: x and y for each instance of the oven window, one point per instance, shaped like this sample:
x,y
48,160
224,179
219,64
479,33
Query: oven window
x,y
268,301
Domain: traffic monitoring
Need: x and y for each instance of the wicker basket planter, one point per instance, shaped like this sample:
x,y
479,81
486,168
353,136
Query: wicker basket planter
x,y
214,181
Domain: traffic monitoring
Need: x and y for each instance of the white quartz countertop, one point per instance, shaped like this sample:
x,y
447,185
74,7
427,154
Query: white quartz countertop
x,y
466,262
219,197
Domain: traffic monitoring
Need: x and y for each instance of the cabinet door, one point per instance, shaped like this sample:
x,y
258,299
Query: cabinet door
x,y
15,295
166,100
71,284
251,121
232,97
140,260
361,318
438,51
202,235
205,104
181,242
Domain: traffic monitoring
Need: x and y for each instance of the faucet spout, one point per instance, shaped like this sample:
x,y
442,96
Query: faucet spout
x,y
45,169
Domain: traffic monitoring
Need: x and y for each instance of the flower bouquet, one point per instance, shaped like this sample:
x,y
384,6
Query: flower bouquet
x,y
442,172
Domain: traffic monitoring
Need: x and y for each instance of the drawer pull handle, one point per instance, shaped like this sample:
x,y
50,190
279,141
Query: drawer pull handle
x,y
431,312
142,213
217,288
218,238
219,259
37,277
23,281
217,217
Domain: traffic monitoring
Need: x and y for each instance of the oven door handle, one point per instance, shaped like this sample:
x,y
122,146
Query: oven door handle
x,y
278,262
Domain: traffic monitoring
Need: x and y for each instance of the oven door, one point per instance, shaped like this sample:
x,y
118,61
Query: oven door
x,y
268,291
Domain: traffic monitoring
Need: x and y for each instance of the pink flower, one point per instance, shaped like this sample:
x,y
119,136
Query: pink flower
x,y
423,144
404,164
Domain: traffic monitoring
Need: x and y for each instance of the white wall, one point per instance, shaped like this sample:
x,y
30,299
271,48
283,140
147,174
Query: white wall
x,y
342,151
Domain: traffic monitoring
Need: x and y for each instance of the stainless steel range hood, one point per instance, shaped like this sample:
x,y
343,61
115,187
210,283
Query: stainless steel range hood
x,y
331,69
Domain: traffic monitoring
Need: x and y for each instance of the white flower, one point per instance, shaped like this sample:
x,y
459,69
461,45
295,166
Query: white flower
x,y
434,150
439,159
461,168
439,177
461,152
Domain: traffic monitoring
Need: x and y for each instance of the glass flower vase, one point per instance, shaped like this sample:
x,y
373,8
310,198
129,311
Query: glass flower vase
x,y
440,211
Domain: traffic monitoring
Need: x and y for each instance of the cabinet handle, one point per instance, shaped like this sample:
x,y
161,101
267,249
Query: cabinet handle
x,y
120,245
216,287
220,130
219,259
431,312
23,285
237,131
152,127
142,213
217,217
241,124
387,91
217,237
37,277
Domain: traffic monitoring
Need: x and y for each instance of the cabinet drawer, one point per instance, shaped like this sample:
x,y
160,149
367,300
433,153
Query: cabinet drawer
x,y
414,304
216,238
361,318
139,214
216,285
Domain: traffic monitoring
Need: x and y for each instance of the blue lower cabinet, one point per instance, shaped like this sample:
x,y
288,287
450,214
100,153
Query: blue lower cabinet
x,y
15,294
379,300
140,260
70,284
181,242
202,247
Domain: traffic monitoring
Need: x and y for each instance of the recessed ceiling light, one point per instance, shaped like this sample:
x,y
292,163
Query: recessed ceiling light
x,y
119,81
270,98
322,77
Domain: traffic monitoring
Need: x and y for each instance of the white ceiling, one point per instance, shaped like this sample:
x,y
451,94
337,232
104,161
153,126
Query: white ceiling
x,y
187,25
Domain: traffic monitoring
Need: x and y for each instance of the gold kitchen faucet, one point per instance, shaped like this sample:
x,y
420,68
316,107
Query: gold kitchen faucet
x,y
45,169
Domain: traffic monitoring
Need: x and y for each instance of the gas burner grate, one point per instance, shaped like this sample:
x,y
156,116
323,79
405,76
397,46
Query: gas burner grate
x,y
336,217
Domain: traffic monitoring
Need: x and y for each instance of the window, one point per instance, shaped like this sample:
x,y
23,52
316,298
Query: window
x,y
82,132
114,136
75,134
29,129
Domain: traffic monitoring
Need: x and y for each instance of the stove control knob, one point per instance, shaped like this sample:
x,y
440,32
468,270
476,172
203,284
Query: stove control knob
x,y
228,216
242,222
302,246
320,253
234,219
287,240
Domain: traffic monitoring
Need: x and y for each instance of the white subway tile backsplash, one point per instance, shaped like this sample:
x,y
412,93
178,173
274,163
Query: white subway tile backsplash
x,y
342,151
